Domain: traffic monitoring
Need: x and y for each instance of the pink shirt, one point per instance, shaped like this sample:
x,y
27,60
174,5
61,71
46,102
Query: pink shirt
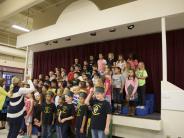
x,y
133,64
101,65
28,103
132,82
107,87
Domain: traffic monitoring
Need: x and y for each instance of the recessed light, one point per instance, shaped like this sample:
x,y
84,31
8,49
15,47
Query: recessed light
x,y
112,30
93,34
55,41
68,39
130,27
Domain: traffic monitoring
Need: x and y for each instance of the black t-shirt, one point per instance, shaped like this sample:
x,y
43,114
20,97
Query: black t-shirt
x,y
58,110
110,62
100,109
67,110
82,110
37,109
48,111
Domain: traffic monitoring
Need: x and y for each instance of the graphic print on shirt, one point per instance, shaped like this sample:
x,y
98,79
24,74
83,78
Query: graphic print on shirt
x,y
96,109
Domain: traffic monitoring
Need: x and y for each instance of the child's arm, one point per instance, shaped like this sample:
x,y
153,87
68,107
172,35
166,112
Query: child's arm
x,y
67,119
126,87
53,119
41,118
88,98
59,117
83,124
122,83
108,121
135,87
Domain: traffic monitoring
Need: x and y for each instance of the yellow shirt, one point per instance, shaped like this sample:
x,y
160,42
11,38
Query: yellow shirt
x,y
3,95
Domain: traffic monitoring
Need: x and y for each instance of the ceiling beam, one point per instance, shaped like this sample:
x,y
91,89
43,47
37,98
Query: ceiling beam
x,y
11,7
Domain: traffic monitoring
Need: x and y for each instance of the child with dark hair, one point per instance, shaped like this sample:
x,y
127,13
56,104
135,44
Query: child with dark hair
x,y
76,79
71,74
110,59
131,85
48,115
118,82
133,61
66,115
101,113
37,108
81,116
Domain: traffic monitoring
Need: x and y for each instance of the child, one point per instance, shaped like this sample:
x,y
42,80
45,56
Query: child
x,y
76,80
59,93
118,82
48,115
61,101
101,64
141,74
71,74
44,92
90,86
132,60
29,113
131,85
53,86
66,115
108,88
121,62
81,116
37,113
101,113
110,60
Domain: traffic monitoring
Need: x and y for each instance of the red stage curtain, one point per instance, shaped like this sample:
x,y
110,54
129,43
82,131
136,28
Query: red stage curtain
x,y
148,47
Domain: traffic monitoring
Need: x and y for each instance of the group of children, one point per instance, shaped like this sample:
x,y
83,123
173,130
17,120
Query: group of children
x,y
81,101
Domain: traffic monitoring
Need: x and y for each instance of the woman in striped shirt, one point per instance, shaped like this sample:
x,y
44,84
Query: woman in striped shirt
x,y
16,109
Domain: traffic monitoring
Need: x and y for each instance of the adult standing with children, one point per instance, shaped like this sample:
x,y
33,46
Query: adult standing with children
x,y
16,109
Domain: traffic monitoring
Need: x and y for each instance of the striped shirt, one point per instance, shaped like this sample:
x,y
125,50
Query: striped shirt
x,y
16,107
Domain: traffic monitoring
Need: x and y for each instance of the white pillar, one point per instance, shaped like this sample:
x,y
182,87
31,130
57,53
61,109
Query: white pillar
x,y
164,50
26,63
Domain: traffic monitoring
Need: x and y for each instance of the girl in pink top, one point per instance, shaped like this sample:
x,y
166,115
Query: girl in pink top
x,y
132,61
131,85
108,88
29,113
101,64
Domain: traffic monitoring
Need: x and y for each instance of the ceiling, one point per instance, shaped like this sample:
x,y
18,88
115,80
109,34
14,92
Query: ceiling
x,y
34,17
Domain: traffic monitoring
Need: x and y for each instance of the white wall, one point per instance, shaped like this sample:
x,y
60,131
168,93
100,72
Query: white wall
x,y
83,16
11,61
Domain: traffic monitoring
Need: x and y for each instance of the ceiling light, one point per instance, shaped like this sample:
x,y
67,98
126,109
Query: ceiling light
x,y
68,39
130,27
93,34
20,28
55,41
112,30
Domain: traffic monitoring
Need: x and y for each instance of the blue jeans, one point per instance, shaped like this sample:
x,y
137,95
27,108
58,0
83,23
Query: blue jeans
x,y
97,133
46,131
58,131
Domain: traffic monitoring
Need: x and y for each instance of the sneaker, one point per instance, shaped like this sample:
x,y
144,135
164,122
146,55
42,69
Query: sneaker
x,y
138,106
